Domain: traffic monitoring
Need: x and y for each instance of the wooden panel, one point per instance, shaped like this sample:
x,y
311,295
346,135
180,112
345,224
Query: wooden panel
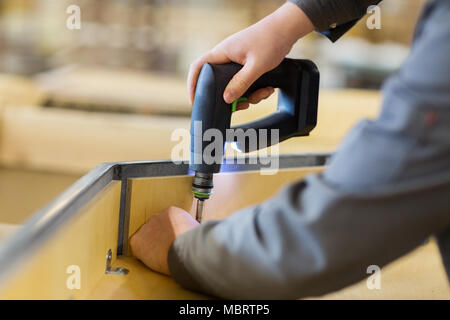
x,y
232,191
17,185
418,275
152,195
140,283
83,241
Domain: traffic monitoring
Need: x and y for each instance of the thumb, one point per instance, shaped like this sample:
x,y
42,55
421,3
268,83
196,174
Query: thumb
x,y
241,82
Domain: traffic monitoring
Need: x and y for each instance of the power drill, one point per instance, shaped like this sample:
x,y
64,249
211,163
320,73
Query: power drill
x,y
296,114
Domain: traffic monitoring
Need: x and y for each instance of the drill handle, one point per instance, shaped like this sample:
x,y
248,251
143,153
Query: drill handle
x,y
296,114
298,84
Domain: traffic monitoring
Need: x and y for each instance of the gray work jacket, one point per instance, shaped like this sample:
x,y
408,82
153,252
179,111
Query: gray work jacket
x,y
384,192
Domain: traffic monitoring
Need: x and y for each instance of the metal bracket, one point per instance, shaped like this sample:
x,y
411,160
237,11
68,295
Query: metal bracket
x,y
111,270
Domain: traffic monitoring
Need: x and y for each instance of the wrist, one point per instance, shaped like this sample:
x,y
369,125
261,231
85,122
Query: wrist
x,y
291,23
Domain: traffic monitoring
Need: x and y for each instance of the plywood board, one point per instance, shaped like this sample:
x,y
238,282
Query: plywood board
x,y
22,194
418,275
141,283
83,241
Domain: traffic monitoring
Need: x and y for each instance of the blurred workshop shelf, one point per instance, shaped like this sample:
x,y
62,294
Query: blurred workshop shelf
x,y
115,90
76,132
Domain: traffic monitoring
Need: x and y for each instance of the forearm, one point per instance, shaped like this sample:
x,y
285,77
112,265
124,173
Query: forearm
x,y
289,23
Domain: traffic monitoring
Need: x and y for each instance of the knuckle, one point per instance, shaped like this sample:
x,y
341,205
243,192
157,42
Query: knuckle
x,y
241,82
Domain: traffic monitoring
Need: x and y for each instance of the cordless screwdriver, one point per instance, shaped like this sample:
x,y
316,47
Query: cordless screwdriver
x,y
296,114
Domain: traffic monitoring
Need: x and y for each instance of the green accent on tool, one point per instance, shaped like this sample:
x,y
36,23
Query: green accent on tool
x,y
201,195
234,105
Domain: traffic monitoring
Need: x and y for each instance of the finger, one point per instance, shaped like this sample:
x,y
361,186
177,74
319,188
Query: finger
x,y
255,98
242,105
241,82
260,94
214,56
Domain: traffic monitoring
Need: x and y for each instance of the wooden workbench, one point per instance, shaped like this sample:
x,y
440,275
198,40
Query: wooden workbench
x,y
419,275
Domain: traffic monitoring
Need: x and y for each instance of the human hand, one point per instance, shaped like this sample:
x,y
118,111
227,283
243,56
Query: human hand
x,y
151,243
259,48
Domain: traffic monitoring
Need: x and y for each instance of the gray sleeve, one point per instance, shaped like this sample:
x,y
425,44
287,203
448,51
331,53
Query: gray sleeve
x,y
333,18
384,192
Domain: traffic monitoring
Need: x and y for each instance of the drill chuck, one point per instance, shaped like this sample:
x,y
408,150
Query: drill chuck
x,y
296,115
202,185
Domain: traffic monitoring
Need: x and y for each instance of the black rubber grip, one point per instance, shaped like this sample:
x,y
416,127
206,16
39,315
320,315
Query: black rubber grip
x,y
296,114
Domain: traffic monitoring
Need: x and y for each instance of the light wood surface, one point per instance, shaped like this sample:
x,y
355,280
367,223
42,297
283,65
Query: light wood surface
x,y
19,91
75,141
418,275
22,192
84,241
140,284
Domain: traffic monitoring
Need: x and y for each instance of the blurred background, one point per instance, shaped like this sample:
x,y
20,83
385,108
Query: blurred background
x,y
114,90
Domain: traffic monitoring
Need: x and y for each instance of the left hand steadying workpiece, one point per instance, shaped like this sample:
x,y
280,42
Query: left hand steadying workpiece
x,y
152,241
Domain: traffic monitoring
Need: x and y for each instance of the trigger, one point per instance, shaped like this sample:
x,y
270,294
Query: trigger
x,y
235,102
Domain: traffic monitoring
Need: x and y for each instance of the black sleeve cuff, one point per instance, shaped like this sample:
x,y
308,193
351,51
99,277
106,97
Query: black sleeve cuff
x,y
335,33
179,272
334,18
321,16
